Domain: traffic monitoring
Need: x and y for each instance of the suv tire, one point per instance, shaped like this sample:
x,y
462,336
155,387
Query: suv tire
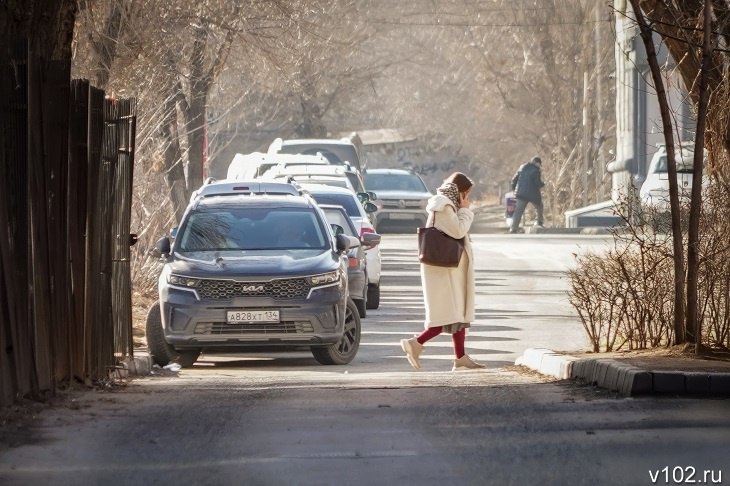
x,y
161,352
373,296
361,307
343,351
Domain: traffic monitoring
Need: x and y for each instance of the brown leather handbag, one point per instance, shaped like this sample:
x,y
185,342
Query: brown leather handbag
x,y
437,248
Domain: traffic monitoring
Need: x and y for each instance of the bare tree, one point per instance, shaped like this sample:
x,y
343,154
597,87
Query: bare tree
x,y
691,31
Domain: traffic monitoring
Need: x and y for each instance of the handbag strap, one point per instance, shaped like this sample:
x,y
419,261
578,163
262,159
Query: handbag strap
x,y
431,218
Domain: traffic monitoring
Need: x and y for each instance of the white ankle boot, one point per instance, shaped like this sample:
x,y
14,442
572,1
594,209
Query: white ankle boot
x,y
413,349
466,363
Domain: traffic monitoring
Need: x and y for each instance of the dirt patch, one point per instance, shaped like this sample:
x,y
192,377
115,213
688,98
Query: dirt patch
x,y
677,358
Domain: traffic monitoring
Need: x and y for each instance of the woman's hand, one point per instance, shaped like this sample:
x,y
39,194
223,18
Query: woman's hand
x,y
464,201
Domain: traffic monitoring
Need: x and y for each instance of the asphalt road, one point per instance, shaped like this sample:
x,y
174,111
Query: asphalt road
x,y
284,419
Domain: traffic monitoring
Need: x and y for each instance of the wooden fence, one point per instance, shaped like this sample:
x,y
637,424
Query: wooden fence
x,y
66,163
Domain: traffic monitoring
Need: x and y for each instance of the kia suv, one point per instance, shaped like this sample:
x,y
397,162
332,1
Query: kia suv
x,y
253,270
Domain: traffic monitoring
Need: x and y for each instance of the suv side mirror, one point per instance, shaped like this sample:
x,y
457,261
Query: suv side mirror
x,y
162,247
337,229
370,207
370,240
366,196
345,242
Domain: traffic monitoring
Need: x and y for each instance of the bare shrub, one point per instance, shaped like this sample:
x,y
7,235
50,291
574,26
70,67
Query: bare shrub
x,y
597,301
714,270
625,297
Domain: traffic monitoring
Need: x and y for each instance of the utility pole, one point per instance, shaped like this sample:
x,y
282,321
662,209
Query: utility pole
x,y
586,140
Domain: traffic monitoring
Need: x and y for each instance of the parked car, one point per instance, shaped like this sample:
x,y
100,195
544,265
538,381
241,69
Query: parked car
x,y
339,175
360,213
357,270
252,271
337,151
654,192
402,198
253,165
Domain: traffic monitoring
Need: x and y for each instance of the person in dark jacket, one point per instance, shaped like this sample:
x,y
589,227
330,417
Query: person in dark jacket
x,y
526,184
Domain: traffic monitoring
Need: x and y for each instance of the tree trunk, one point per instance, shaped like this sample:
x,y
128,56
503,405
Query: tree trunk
x,y
105,47
196,113
693,325
680,335
173,160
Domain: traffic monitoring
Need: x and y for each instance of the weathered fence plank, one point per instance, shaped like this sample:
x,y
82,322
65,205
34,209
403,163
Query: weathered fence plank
x,y
66,160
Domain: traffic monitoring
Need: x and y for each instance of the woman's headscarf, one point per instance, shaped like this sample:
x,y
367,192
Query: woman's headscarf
x,y
450,190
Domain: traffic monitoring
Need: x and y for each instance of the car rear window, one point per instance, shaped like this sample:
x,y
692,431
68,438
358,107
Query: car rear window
x,y
337,217
347,202
684,165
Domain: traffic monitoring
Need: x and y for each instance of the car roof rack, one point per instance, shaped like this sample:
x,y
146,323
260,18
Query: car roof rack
x,y
234,187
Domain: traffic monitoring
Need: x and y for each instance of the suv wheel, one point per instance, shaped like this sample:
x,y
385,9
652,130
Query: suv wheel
x,y
161,352
343,351
361,307
373,296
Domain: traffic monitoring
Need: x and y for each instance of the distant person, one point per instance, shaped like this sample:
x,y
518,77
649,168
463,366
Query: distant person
x,y
448,293
527,184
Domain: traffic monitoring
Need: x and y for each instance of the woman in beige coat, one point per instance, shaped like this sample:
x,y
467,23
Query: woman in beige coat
x,y
448,292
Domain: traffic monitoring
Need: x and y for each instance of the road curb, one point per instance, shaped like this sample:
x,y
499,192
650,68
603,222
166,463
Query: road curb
x,y
623,378
138,365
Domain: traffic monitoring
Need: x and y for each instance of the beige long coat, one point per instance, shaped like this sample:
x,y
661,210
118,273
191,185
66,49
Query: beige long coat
x,y
448,293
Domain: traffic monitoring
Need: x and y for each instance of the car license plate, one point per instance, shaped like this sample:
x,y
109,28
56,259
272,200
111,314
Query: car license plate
x,y
401,216
237,317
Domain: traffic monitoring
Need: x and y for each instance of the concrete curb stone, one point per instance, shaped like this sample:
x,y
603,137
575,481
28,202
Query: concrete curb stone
x,y
623,378
140,364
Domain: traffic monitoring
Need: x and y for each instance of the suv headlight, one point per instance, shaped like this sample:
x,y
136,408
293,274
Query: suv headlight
x,y
181,281
324,278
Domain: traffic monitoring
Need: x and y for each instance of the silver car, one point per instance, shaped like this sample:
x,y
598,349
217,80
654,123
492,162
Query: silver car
x,y
402,198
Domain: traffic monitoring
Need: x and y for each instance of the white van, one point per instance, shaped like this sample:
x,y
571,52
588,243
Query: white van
x,y
654,192
253,165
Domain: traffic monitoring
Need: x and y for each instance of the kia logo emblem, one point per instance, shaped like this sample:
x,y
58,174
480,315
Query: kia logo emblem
x,y
253,288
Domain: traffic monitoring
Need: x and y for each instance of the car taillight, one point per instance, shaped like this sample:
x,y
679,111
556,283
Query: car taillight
x,y
363,231
353,262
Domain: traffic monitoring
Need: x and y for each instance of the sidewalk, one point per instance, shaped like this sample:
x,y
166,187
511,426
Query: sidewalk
x,y
634,377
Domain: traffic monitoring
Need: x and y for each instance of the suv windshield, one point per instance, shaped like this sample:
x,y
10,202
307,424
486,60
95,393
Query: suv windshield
x,y
235,229
395,182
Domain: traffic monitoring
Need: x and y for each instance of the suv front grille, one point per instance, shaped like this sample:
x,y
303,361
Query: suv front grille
x,y
292,288
407,204
284,327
